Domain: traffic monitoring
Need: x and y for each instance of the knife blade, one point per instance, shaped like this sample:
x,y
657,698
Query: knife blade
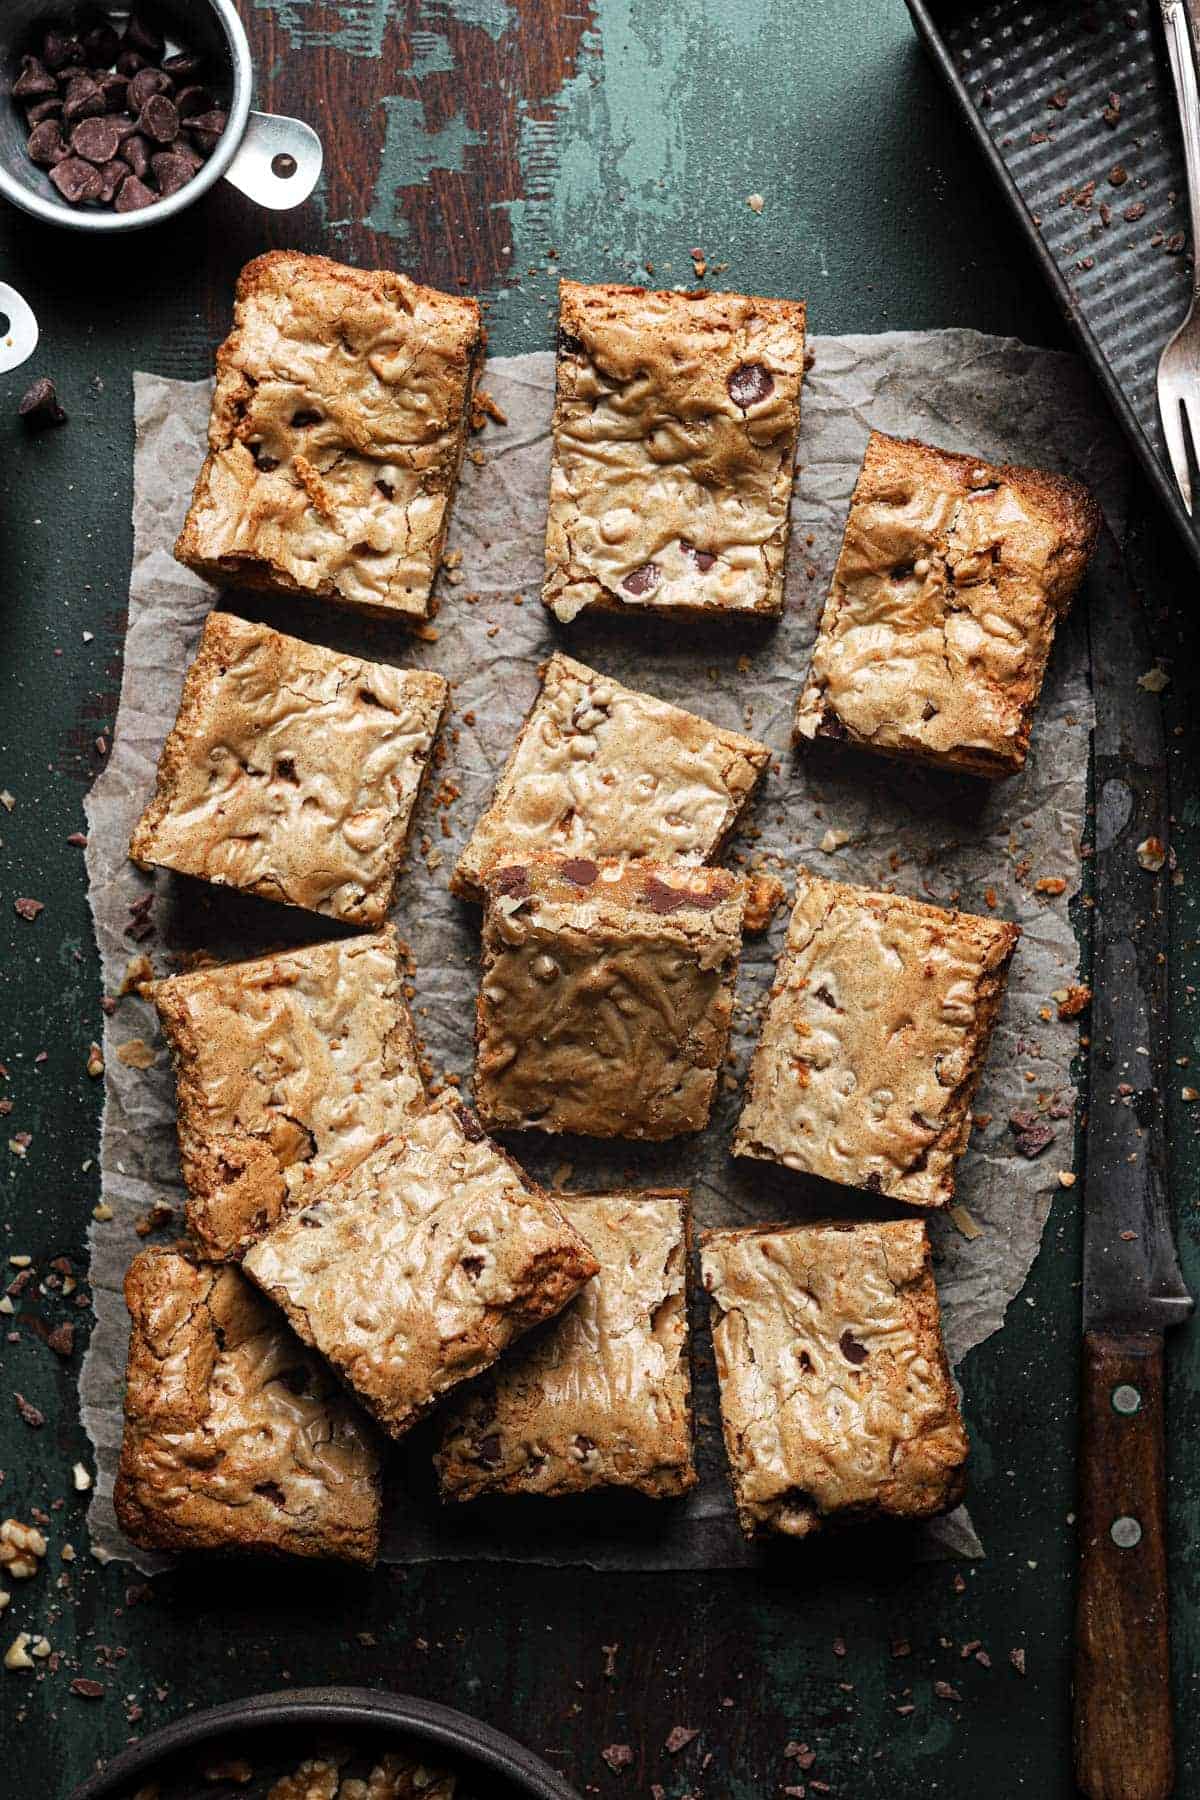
x,y
1133,1290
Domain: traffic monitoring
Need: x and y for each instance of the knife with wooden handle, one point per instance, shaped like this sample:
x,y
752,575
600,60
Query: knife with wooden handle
x,y
1133,1291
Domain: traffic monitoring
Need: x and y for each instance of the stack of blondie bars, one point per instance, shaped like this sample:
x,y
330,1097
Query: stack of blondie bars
x,y
361,1249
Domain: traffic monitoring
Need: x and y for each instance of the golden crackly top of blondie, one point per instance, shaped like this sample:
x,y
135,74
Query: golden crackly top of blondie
x,y
875,1032
291,771
601,1398
603,770
287,1068
336,435
674,435
835,1394
236,1436
952,577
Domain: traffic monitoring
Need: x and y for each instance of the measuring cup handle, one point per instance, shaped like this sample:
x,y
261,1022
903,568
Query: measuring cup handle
x,y
19,341
278,162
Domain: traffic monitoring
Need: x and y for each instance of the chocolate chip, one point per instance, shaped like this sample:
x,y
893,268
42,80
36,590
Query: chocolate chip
x,y
84,100
851,1349
98,140
569,344
642,580
171,172
77,181
206,129
101,46
580,870
472,1130
183,65
190,101
703,559
749,383
875,1182
133,195
30,1414
130,63
34,82
159,120
60,49
46,145
143,38
112,174
136,152
145,84
662,897
39,406
115,90
1037,1138
44,109
512,880
487,1451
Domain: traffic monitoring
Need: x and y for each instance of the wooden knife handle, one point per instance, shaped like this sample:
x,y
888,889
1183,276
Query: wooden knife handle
x,y
1123,1736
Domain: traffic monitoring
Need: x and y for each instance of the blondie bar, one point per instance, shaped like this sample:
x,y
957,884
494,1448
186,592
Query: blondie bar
x,y
675,424
836,1399
601,770
236,1437
600,1397
418,1268
952,577
606,996
287,1069
875,1035
291,772
337,434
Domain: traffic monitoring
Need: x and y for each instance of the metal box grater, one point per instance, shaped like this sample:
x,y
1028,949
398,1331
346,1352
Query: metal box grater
x,y
1061,97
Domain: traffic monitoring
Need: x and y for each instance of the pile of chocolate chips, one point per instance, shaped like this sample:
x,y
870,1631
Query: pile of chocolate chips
x,y
114,119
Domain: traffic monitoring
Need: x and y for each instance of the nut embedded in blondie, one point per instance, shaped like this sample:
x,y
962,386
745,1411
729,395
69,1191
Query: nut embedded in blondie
x,y
952,577
675,423
338,427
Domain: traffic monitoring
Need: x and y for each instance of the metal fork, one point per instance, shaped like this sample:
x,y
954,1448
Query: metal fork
x,y
1179,364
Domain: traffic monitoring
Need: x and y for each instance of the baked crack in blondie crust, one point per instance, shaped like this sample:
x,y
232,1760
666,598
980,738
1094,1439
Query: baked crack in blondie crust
x,y
606,995
675,424
338,427
952,577
291,772
836,1398
287,1069
875,1036
602,770
236,1437
416,1269
600,1397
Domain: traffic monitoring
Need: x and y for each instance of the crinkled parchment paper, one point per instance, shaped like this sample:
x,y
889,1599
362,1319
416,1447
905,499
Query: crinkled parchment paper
x,y
948,839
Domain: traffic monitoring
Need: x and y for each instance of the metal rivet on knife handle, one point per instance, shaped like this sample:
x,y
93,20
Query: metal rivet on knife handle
x,y
1125,1532
1126,1399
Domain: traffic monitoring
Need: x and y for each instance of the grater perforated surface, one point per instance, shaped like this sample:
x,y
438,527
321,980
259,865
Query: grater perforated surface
x,y
1078,106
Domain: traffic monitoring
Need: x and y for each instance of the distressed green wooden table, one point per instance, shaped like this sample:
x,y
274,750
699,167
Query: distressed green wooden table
x,y
489,144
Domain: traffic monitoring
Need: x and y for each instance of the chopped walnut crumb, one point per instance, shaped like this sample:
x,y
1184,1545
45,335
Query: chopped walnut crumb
x,y
22,1548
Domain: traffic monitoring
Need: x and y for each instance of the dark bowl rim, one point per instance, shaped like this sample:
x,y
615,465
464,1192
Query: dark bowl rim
x,y
403,1714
